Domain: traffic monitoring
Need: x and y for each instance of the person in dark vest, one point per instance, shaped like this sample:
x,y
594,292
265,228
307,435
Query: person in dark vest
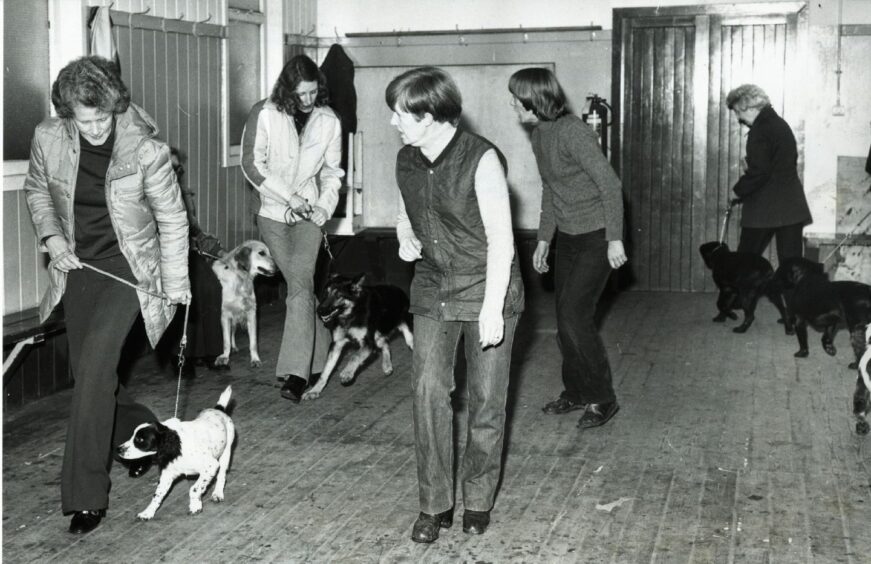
x,y
101,193
774,203
455,220
582,202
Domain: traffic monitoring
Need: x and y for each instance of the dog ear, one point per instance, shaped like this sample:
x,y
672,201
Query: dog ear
x,y
358,280
243,258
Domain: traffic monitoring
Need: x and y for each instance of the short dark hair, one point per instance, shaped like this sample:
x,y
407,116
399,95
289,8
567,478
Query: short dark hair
x,y
93,82
540,92
426,90
298,69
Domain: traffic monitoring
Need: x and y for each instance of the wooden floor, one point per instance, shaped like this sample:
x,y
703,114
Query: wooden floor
x,y
726,449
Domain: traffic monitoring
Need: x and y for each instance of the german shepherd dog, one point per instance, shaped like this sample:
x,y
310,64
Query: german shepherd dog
x,y
363,315
742,279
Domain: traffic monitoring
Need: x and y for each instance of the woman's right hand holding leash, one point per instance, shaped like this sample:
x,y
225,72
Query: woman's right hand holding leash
x,y
62,257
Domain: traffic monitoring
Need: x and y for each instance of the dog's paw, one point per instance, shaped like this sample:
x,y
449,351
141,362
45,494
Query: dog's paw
x,y
862,427
790,330
255,363
802,353
732,315
145,515
311,395
853,365
195,507
741,328
222,361
389,371
217,498
719,318
830,349
346,378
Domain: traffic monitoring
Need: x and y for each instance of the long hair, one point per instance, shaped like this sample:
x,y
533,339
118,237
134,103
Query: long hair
x,y
93,82
426,90
299,69
538,90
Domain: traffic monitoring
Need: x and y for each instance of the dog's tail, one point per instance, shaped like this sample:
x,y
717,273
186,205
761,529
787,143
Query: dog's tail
x,y
224,399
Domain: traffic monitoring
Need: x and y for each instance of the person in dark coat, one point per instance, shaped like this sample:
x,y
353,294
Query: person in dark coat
x,y
773,198
205,339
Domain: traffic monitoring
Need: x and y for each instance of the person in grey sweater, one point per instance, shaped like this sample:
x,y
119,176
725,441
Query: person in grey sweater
x,y
582,202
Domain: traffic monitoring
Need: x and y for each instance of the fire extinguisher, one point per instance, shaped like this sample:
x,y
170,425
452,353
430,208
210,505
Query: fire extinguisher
x,y
597,117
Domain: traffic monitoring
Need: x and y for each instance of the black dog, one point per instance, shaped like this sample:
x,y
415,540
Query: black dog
x,y
366,315
812,299
742,279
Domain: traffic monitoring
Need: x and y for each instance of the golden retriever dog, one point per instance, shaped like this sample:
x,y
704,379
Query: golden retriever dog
x,y
236,272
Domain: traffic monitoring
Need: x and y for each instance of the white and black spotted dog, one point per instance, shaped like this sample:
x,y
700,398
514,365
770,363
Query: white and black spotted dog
x,y
186,448
236,272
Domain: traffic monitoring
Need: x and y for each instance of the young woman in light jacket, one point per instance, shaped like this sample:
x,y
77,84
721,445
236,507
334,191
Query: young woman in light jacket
x,y
291,148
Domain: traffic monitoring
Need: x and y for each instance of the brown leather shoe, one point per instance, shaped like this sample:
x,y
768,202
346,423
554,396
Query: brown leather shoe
x,y
597,414
426,528
86,521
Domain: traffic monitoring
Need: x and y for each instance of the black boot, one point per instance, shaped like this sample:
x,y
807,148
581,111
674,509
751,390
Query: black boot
x,y
293,388
475,522
86,521
139,466
426,528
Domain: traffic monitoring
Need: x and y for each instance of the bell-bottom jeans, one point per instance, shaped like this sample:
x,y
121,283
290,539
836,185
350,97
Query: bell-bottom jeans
x,y
305,341
581,272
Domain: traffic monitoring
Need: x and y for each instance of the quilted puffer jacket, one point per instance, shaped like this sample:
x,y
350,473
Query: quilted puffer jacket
x,y
144,202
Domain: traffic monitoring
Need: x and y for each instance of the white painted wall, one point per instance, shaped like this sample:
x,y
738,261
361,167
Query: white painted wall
x,y
416,15
827,136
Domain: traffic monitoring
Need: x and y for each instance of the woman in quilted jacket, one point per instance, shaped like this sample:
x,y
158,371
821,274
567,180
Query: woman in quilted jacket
x,y
101,193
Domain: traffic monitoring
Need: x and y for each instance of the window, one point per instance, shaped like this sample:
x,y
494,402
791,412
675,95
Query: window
x,y
244,79
26,75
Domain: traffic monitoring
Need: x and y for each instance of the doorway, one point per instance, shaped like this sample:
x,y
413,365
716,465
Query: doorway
x,y
677,147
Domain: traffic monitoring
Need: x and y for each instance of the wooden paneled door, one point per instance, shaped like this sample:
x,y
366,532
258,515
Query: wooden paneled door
x,y
677,147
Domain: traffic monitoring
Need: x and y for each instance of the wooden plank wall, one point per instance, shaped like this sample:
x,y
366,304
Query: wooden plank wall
x,y
659,138
176,77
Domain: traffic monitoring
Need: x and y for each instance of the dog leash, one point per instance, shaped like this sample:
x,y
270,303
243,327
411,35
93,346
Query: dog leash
x,y
181,346
732,203
184,334
847,236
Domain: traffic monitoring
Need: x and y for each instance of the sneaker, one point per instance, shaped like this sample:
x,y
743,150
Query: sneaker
x,y
562,405
597,414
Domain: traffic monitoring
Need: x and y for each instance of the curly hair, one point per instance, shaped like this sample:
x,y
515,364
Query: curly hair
x,y
747,96
539,91
426,90
93,82
299,69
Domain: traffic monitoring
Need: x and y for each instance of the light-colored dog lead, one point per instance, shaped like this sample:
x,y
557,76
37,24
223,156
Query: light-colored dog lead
x,y
184,334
